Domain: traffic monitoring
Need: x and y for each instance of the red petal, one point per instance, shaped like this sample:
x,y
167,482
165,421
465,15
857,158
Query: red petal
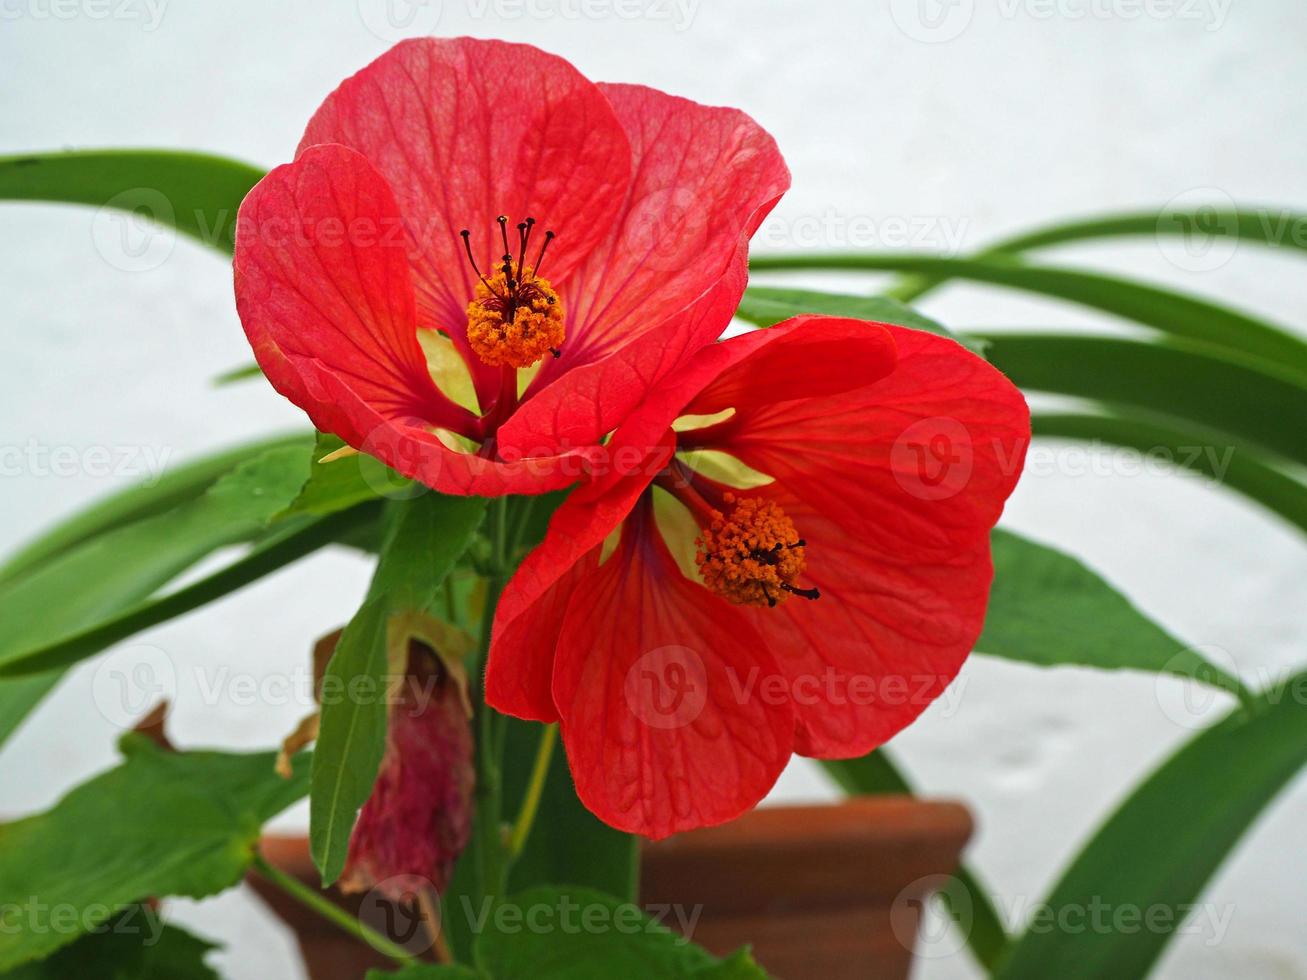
x,y
465,130
327,303
802,357
589,401
669,699
702,179
895,488
529,617
318,282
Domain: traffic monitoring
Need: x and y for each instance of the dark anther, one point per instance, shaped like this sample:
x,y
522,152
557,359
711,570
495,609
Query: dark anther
x,y
801,593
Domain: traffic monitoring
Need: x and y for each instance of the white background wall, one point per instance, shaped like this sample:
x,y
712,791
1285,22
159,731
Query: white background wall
x,y
1000,116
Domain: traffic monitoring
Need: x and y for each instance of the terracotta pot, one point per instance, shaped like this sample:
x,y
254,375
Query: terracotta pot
x,y
825,891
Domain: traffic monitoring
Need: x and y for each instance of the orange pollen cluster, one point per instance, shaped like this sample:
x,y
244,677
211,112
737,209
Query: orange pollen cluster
x,y
517,332
753,556
514,318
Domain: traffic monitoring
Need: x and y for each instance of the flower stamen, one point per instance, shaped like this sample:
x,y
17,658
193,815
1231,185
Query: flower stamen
x,y
514,317
752,556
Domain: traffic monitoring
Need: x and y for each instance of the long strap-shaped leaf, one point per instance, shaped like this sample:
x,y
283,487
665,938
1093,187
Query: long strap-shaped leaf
x,y
1250,400
196,193
106,560
1153,857
1270,226
293,542
1188,448
1162,309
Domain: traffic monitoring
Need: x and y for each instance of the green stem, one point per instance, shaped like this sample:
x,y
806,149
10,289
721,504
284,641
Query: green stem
x,y
531,802
488,848
333,913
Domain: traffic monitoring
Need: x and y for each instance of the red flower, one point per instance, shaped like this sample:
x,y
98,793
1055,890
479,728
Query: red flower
x,y
480,261
800,564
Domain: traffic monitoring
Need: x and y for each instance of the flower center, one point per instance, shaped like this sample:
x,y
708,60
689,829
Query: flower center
x,y
753,556
514,318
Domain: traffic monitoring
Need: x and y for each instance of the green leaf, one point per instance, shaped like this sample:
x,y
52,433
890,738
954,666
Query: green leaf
x,y
288,543
134,945
175,486
1162,309
94,581
582,934
245,372
1152,858
1190,448
1272,226
765,306
195,193
1250,400
426,536
1047,608
875,775
161,823
344,481
426,971
102,563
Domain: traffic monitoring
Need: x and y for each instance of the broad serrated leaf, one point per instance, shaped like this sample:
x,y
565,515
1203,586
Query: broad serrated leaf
x,y
136,944
161,823
541,934
339,478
